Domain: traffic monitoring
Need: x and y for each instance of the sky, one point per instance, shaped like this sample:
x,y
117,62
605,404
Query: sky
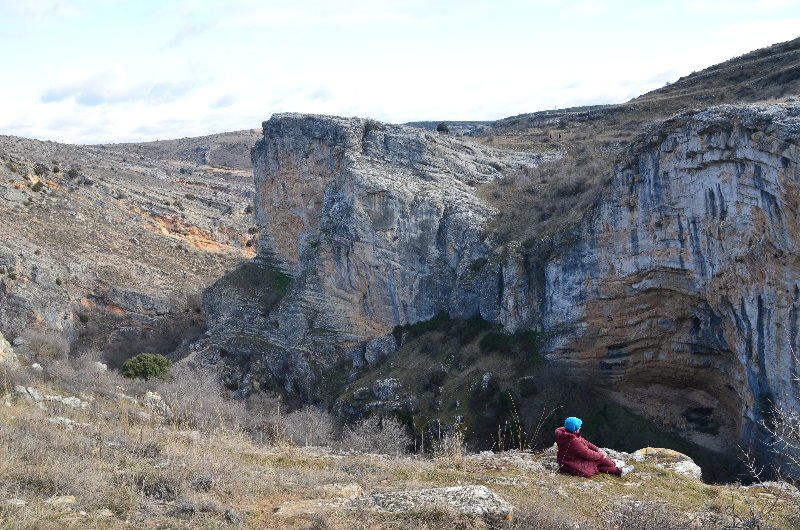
x,y
92,71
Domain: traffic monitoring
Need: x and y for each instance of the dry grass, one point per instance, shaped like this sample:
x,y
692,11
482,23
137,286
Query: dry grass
x,y
212,462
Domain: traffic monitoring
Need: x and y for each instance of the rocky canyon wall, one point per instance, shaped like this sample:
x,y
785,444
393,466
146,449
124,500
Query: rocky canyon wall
x,y
678,292
378,226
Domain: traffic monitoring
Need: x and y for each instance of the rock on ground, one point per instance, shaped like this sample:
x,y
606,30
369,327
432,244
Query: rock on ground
x,y
474,501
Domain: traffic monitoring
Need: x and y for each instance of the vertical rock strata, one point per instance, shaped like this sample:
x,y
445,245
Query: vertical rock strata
x,y
678,292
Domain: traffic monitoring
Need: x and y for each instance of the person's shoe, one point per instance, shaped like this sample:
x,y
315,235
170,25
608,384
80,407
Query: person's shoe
x,y
626,470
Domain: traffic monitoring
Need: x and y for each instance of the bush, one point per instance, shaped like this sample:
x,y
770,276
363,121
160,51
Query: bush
x,y
40,170
147,365
376,434
496,341
309,426
46,345
442,128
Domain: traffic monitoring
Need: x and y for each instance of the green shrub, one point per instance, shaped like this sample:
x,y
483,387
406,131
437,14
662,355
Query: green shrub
x,y
442,128
37,187
147,365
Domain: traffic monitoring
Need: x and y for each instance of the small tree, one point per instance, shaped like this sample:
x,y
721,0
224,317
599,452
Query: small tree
x,y
147,365
442,128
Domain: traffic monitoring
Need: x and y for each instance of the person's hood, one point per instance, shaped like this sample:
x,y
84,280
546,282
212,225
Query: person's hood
x,y
563,435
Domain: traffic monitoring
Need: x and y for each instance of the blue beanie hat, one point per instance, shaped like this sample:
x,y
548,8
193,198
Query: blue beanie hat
x,y
572,424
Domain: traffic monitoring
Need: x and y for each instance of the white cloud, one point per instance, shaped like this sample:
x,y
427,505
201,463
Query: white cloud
x,y
114,86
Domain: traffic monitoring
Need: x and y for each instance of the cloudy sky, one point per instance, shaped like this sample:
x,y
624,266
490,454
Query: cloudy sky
x,y
85,71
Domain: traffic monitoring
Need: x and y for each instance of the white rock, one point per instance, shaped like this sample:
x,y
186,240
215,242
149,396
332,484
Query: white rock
x,y
476,501
28,394
67,423
62,500
99,367
7,354
75,403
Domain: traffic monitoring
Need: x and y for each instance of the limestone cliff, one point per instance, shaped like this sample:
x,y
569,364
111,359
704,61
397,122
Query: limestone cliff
x,y
677,292
680,290
378,226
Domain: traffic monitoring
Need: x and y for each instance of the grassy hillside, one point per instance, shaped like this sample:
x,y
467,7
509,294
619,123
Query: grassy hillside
x,y
100,451
537,202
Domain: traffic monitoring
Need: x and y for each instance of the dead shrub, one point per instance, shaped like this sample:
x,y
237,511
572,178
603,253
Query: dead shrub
x,y
197,402
45,345
376,434
309,426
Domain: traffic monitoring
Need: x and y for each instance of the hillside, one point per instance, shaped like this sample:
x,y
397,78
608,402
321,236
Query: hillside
x,y
85,448
446,293
108,247
539,201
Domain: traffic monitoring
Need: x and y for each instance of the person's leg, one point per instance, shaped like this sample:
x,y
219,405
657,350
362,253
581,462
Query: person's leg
x,y
607,465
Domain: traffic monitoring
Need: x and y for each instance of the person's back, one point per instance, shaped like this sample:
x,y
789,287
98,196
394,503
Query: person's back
x,y
578,456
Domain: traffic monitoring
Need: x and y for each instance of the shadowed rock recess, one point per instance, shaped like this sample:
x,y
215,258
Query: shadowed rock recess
x,y
677,292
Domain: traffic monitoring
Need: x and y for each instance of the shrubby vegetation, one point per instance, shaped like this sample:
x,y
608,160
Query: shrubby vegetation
x,y
196,458
146,366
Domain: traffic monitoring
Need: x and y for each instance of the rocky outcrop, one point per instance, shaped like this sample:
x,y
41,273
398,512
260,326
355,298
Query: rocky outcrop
x,y
7,355
475,501
377,226
677,292
680,291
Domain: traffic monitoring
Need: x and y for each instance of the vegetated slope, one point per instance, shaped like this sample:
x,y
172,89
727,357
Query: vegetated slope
x,y
109,246
83,447
537,203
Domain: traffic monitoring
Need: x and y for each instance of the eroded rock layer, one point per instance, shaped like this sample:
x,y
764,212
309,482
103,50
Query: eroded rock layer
x,y
378,226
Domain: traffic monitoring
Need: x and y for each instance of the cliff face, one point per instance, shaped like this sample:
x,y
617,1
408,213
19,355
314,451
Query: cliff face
x,y
678,292
681,289
378,226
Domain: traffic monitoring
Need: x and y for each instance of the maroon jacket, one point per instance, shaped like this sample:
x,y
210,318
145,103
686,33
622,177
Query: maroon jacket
x,y
576,455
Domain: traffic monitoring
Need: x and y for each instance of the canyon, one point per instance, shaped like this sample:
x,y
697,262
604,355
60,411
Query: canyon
x,y
634,262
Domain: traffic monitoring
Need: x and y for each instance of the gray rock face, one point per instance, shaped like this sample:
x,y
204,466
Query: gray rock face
x,y
378,226
378,349
7,354
680,290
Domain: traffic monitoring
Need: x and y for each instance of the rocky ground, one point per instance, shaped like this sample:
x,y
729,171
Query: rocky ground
x,y
85,448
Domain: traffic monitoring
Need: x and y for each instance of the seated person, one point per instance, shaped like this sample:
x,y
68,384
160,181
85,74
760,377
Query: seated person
x,y
578,456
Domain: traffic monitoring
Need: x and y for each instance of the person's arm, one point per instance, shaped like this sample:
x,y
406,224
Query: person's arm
x,y
590,445
582,449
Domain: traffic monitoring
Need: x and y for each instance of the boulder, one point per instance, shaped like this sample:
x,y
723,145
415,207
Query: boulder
x,y
385,389
474,501
669,459
7,354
